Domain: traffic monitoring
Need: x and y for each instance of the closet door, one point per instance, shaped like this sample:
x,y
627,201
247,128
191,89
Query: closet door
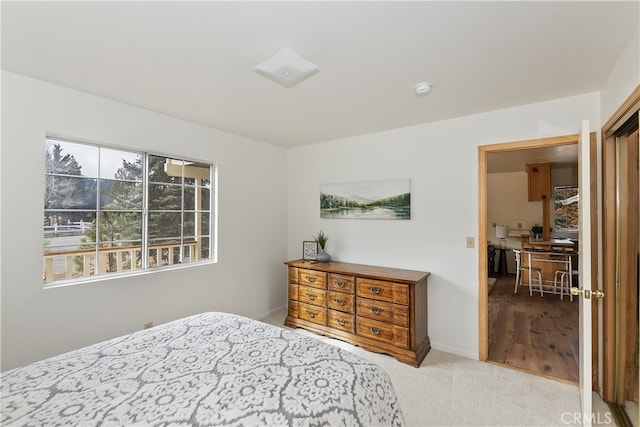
x,y
621,233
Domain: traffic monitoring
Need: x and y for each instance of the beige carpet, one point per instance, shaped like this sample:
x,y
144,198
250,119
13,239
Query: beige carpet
x,y
450,390
632,412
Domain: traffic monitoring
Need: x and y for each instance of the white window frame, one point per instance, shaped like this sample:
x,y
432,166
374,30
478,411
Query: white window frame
x,y
145,266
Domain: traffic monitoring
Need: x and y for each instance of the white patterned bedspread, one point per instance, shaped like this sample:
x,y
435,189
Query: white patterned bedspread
x,y
209,369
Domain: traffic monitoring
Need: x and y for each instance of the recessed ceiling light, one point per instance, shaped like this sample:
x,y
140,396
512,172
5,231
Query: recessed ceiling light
x,y
423,88
287,68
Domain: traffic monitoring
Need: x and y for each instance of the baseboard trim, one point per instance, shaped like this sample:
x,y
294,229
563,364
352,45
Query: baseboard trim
x,y
269,313
453,350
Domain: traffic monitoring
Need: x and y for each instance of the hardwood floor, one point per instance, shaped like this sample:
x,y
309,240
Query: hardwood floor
x,y
533,333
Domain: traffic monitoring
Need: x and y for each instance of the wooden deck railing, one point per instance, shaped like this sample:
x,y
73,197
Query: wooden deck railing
x,y
62,265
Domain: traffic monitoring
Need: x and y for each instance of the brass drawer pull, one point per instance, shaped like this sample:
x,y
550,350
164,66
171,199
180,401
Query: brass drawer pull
x,y
311,296
341,322
375,330
311,314
341,302
312,278
341,283
375,289
376,310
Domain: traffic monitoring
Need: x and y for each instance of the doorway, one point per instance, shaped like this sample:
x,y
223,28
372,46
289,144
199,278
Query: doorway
x,y
533,334
621,241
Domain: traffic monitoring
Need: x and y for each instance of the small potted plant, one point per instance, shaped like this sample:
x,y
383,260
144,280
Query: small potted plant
x,y
321,239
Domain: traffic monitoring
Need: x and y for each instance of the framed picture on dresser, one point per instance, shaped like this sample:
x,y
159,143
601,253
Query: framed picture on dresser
x,y
309,250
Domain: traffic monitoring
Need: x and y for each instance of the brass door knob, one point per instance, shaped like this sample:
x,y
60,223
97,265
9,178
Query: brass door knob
x,y
587,294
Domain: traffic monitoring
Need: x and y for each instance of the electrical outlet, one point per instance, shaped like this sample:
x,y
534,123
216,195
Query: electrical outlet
x,y
471,242
148,325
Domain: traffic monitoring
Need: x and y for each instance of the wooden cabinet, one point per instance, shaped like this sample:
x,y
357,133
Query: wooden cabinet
x,y
380,309
539,178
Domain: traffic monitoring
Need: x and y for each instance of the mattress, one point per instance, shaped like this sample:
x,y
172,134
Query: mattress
x,y
210,369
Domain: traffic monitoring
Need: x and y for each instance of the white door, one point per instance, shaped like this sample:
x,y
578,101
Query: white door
x,y
584,182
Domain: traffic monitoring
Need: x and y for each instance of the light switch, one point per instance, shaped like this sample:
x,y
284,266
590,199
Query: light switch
x,y
471,242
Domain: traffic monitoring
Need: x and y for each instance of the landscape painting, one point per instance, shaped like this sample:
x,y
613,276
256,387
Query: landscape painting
x,y
389,199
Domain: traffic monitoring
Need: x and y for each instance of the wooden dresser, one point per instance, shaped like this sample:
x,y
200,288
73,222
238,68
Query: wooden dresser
x,y
377,308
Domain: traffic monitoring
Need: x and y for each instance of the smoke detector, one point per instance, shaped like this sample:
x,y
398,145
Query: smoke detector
x,y
423,88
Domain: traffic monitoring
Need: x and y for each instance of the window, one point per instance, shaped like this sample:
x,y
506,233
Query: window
x,y
565,208
109,211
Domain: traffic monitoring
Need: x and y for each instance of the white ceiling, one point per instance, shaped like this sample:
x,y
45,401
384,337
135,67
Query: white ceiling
x,y
195,60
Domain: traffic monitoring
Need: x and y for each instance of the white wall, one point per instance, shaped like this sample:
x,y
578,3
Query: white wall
x,y
623,80
249,278
441,161
508,204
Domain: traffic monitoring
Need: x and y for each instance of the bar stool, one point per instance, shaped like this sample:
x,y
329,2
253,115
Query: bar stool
x,y
520,268
566,274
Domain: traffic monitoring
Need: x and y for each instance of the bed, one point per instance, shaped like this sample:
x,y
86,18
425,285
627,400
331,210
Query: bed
x,y
209,369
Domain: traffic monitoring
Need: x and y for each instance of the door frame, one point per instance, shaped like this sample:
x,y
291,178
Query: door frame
x,y
483,296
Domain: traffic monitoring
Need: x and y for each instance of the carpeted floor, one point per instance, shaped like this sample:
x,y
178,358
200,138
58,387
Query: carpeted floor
x,y
450,390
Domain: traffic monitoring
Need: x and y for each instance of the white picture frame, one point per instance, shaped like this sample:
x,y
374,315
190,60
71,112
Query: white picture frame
x,y
309,250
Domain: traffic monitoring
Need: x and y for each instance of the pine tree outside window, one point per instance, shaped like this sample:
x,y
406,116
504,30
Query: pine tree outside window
x,y
110,211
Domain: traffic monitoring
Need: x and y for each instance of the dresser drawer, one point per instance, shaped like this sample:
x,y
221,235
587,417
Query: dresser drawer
x,y
383,291
376,310
316,279
313,296
341,302
313,313
343,321
342,283
293,308
293,291
383,311
384,332
293,274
